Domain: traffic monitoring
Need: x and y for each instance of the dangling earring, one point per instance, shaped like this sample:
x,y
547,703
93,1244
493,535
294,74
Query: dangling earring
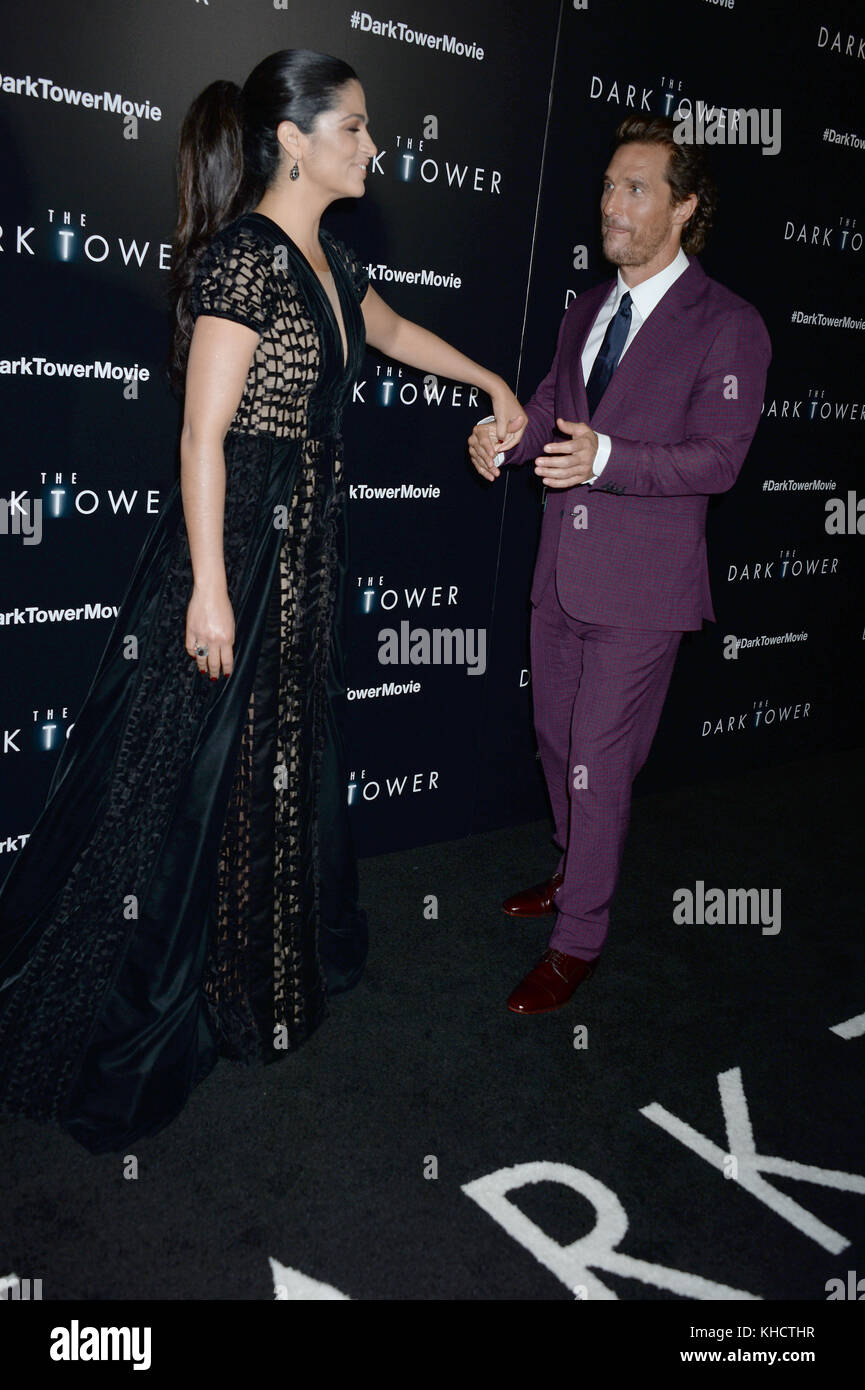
x,y
294,172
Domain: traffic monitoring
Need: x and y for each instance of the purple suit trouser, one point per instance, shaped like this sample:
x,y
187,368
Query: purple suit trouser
x,y
598,694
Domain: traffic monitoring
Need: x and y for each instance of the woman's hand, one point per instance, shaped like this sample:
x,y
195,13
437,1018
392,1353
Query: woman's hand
x,y
210,624
492,437
511,419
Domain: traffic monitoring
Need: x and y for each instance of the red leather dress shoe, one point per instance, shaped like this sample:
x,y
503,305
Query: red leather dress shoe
x,y
550,984
536,901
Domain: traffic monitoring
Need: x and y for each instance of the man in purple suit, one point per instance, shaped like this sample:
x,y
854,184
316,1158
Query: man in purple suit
x,y
649,408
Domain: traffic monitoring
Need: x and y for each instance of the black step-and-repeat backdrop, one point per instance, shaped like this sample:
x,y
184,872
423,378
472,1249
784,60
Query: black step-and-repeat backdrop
x,y
480,220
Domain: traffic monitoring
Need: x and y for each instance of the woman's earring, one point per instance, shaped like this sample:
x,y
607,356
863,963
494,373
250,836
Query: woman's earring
x,y
294,172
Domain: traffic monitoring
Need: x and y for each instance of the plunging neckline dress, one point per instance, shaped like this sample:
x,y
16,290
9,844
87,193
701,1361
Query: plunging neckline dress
x,y
190,888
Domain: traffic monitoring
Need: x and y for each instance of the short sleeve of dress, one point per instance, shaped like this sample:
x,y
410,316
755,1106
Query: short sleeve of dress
x,y
234,280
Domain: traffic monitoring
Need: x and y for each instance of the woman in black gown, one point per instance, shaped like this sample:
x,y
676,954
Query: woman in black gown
x,y
190,888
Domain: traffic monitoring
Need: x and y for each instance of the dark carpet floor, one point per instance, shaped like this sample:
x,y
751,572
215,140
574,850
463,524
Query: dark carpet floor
x,y
347,1162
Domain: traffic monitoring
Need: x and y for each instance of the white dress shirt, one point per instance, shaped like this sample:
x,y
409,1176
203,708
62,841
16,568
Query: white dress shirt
x,y
644,298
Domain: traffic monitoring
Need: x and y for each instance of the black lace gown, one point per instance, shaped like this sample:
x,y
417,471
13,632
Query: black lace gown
x,y
190,888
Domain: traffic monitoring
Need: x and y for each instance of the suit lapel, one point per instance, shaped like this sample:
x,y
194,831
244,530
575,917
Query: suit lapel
x,y
648,343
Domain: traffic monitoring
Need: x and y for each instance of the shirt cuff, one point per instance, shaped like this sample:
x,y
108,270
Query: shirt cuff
x,y
601,457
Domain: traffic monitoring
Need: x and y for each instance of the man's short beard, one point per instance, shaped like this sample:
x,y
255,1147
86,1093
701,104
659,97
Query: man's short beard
x,y
632,254
621,256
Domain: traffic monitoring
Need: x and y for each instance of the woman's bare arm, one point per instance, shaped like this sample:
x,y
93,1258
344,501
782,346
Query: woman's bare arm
x,y
410,343
220,354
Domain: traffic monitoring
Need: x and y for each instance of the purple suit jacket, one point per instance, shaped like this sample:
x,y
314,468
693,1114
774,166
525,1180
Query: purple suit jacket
x,y
681,411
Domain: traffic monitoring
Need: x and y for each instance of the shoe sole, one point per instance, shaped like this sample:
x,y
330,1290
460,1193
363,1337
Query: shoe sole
x,y
529,916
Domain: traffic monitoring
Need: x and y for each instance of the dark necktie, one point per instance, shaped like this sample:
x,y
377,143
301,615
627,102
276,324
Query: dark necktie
x,y
609,354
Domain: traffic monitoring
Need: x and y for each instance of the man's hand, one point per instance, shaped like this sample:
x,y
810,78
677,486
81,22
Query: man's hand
x,y
485,442
568,462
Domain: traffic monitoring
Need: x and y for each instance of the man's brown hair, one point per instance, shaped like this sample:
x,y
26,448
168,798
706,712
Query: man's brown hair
x,y
687,172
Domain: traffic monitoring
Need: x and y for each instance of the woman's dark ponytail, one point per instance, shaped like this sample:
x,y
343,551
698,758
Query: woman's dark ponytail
x,y
209,180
